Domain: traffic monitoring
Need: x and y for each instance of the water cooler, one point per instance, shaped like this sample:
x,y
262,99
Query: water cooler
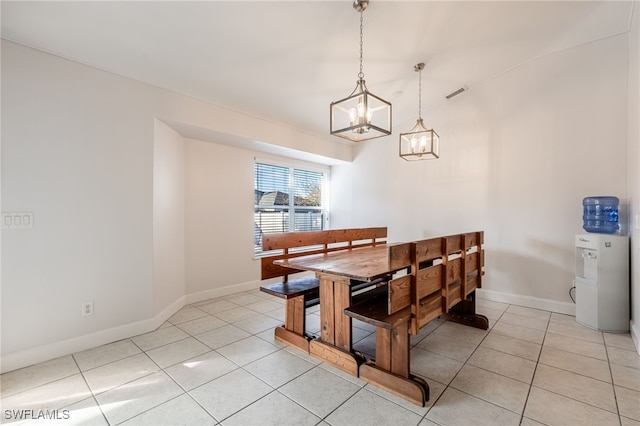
x,y
602,282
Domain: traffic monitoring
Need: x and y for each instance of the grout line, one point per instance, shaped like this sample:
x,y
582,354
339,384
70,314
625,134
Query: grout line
x,y
466,362
314,366
93,396
576,400
535,370
613,383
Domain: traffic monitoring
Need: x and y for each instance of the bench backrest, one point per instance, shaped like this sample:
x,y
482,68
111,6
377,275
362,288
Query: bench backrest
x,y
444,270
292,244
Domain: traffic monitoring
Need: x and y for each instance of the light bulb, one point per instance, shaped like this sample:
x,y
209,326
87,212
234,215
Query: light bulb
x,y
360,111
423,143
352,116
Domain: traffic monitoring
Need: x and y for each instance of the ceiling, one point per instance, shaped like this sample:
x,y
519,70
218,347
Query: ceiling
x,y
286,61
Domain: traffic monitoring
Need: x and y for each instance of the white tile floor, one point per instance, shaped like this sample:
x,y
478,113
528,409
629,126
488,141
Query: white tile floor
x,y
216,362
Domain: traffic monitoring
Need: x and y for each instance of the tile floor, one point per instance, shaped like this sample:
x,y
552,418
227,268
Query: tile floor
x,y
216,362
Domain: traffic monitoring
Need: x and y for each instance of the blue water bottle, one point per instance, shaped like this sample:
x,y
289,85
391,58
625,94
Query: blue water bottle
x,y
600,215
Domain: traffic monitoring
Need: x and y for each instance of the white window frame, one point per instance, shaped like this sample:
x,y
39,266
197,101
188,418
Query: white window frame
x,y
295,165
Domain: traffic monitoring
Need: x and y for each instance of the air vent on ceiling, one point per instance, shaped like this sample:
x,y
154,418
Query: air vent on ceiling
x,y
457,92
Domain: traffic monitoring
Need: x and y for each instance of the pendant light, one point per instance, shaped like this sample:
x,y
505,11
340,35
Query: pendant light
x,y
362,115
419,143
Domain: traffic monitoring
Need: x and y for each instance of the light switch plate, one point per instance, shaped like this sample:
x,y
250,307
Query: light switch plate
x,y
17,220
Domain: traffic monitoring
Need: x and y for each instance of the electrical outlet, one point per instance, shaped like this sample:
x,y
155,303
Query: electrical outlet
x,y
87,308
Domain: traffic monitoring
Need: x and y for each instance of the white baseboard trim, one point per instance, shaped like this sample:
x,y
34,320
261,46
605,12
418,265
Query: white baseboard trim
x,y
31,356
634,329
221,291
50,351
528,301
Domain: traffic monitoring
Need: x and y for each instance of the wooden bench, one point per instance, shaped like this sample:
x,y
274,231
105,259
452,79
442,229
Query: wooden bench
x,y
447,271
301,293
444,273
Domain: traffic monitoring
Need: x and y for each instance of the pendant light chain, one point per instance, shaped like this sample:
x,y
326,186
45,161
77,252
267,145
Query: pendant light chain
x,y
361,74
420,94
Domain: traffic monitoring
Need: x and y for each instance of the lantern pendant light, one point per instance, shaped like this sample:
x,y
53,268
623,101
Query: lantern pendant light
x,y
419,143
362,115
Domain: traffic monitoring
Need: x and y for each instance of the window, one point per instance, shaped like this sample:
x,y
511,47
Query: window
x,y
288,198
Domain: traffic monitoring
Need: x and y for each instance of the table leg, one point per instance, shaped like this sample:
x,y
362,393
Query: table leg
x,y
327,310
342,322
335,296
334,345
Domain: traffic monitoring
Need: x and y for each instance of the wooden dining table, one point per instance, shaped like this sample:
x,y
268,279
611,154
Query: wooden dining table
x,y
337,272
442,274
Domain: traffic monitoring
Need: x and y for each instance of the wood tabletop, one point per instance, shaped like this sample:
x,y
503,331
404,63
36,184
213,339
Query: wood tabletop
x,y
363,264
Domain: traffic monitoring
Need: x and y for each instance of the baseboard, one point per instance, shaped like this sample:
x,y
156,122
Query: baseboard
x,y
528,301
221,291
31,356
50,351
634,329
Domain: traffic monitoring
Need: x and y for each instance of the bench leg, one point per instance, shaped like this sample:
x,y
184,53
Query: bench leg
x,y
391,370
464,312
392,348
294,315
292,332
293,339
413,389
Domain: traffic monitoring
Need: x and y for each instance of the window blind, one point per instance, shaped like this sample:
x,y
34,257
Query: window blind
x,y
287,199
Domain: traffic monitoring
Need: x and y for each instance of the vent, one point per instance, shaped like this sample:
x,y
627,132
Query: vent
x,y
456,93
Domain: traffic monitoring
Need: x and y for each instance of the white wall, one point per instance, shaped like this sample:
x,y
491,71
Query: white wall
x,y
219,218
219,232
79,147
518,154
169,285
78,153
633,160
